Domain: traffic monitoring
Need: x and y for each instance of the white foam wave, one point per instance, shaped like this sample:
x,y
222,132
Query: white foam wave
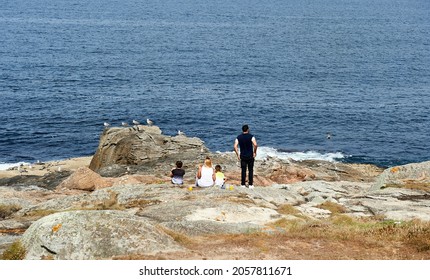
x,y
6,166
265,152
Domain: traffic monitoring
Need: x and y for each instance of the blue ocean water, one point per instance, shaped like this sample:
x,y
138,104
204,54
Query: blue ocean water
x,y
293,70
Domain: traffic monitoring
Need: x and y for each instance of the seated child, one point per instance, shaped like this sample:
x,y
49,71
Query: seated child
x,y
219,177
177,174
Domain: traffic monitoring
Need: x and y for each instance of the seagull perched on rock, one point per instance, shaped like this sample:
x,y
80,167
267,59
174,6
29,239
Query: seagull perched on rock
x,y
124,124
106,124
181,133
149,122
136,125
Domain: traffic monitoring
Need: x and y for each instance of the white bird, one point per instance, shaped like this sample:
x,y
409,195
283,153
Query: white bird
x,y
149,122
136,125
106,124
124,124
181,133
328,135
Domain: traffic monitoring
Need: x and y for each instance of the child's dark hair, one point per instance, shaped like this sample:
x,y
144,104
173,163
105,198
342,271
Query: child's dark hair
x,y
179,164
218,168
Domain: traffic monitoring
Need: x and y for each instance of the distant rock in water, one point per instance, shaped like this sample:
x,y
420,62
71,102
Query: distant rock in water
x,y
127,146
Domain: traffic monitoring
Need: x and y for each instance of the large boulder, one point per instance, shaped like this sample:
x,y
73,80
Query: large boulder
x,y
83,235
413,176
85,179
140,144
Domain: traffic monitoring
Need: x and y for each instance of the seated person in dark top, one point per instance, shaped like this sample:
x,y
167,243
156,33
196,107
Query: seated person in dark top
x,y
177,174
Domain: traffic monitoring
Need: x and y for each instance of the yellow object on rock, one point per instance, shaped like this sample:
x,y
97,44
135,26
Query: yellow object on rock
x,y
56,227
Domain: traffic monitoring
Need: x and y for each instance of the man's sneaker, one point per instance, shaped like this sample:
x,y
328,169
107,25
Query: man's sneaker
x,y
243,186
251,186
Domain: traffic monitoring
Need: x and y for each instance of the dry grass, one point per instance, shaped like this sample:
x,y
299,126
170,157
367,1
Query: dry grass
x,y
141,203
413,185
334,208
340,237
7,210
241,198
177,237
367,231
110,203
16,251
40,213
288,209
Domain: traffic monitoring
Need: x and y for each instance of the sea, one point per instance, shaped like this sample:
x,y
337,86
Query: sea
x,y
338,80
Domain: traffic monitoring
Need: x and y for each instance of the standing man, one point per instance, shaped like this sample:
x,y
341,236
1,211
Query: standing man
x,y
248,151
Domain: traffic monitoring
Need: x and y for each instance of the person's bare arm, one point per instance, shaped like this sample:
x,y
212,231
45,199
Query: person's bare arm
x,y
254,143
236,150
199,172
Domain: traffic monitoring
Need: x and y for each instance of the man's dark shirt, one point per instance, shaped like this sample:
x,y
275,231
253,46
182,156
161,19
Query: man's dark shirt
x,y
245,144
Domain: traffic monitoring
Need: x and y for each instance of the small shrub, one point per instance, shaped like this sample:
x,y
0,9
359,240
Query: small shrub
x,y
16,251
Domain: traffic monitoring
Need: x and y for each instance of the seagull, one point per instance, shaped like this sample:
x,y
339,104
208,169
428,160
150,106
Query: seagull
x,y
106,124
136,125
124,124
181,133
149,122
328,135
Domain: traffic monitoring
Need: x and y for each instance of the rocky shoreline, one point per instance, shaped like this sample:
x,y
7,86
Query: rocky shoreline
x,y
120,202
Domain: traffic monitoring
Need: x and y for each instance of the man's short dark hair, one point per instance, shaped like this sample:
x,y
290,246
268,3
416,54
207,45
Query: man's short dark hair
x,y
245,128
179,164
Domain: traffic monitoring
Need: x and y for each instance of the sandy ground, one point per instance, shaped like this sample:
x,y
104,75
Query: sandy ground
x,y
43,168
